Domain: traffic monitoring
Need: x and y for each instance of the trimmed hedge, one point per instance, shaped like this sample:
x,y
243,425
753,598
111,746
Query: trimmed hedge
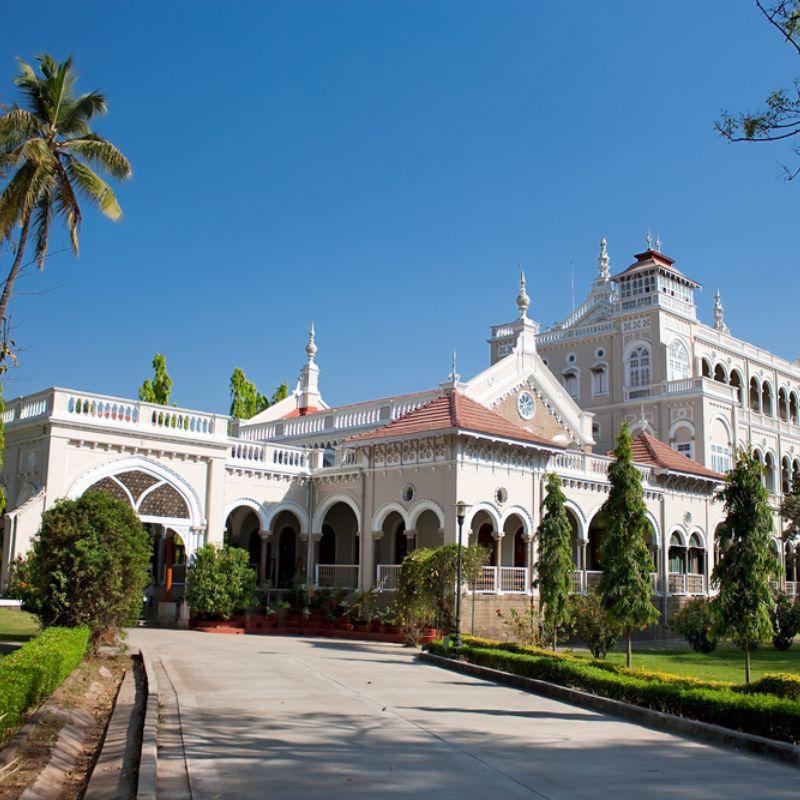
x,y
647,675
782,684
36,670
760,714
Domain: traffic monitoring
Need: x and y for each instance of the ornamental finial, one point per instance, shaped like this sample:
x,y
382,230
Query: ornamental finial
x,y
311,347
719,314
604,262
649,239
454,376
523,301
658,242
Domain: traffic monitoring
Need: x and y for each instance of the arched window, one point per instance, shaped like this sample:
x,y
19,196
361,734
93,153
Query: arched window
x,y
769,472
696,555
719,374
794,414
795,472
766,399
599,379
736,382
705,367
783,405
639,367
571,384
755,396
678,360
786,475
677,555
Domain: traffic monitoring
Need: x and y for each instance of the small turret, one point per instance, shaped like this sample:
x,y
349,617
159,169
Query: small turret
x,y
523,301
309,398
719,314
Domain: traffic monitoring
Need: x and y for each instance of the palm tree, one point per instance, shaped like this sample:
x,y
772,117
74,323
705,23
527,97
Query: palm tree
x,y
47,151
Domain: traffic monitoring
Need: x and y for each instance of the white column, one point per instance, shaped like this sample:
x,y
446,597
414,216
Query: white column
x,y
262,557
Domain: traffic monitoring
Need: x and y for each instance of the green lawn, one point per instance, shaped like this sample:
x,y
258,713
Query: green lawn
x,y
724,664
17,626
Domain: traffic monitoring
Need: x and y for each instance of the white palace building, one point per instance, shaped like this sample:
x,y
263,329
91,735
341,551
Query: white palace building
x,y
338,496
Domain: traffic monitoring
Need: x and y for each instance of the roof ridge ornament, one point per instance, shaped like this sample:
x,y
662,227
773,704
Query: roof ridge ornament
x,y
311,347
649,239
719,314
454,376
603,261
523,301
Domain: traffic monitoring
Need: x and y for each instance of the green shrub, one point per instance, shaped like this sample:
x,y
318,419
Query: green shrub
x,y
785,617
760,714
695,622
425,595
36,670
89,564
220,582
781,684
592,624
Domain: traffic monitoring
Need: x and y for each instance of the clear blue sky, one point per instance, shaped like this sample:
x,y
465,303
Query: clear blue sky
x,y
382,168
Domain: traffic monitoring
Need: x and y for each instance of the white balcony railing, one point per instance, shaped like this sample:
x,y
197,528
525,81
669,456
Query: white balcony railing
x,y
386,577
792,587
683,386
123,414
281,458
590,578
502,580
337,576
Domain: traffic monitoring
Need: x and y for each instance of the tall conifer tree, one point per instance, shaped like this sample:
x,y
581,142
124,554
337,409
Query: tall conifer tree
x,y
746,562
554,566
625,587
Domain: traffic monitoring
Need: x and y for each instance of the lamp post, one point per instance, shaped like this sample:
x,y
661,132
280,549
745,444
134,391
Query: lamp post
x,y
461,513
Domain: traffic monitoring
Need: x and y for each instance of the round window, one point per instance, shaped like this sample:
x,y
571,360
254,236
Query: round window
x,y
407,493
571,358
501,495
600,353
526,405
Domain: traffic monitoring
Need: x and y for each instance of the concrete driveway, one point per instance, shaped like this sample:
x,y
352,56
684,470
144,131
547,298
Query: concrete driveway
x,y
280,717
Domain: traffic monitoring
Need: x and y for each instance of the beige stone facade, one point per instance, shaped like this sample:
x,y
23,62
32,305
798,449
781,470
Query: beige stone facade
x,y
315,500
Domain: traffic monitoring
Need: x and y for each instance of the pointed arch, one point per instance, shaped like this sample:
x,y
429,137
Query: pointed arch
x,y
252,504
490,510
519,511
272,512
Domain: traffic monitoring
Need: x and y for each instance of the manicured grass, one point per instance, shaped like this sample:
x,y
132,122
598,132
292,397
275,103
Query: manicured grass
x,y
17,626
726,663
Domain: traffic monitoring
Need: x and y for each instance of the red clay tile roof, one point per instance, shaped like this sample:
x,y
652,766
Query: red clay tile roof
x,y
660,259
649,450
453,411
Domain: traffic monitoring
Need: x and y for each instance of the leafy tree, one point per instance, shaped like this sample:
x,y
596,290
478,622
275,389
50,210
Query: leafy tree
x,y
746,563
554,567
89,564
220,581
49,153
780,118
625,587
160,388
281,393
790,512
246,400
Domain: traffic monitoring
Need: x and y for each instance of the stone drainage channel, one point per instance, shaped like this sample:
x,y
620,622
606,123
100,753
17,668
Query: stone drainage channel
x,y
142,754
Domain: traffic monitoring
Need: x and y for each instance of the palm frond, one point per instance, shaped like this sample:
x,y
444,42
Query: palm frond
x,y
94,187
67,204
12,199
41,227
15,126
76,113
100,152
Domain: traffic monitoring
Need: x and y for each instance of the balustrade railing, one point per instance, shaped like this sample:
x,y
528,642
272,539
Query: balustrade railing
x,y
115,412
502,580
386,576
337,576
792,587
582,581
284,458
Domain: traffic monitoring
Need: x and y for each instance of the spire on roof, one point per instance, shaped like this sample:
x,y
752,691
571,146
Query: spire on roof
x,y
719,314
523,301
454,376
311,347
649,239
603,261
658,242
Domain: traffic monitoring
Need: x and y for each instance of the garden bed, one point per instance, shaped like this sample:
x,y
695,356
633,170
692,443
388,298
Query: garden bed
x,y
291,624
755,710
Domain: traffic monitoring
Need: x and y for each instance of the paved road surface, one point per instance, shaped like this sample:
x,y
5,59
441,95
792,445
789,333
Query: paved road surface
x,y
281,717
